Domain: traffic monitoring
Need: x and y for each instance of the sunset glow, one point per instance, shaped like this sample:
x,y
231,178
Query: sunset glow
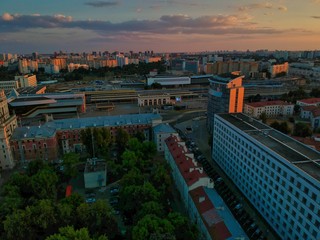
x,y
160,25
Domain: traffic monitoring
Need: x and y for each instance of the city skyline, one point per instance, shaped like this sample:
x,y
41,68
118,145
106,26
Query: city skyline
x,y
158,25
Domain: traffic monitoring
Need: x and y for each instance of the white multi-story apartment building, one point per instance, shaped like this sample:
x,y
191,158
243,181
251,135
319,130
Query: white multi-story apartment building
x,y
270,108
279,175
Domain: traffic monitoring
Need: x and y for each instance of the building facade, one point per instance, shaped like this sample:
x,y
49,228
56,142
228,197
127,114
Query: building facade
x,y
160,133
53,139
8,123
28,80
279,68
277,174
153,99
226,95
270,108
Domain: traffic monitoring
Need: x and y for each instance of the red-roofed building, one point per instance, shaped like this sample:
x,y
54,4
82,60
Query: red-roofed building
x,y
312,113
306,111
206,216
187,173
271,108
309,102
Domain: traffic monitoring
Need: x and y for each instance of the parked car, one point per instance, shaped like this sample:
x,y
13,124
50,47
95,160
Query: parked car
x,y
90,200
114,201
114,190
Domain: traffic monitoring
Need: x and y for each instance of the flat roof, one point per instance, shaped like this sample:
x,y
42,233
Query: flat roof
x,y
48,129
297,153
106,121
164,128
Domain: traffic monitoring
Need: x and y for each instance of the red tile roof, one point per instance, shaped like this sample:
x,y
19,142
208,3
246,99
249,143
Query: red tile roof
x,y
189,168
310,100
211,218
308,108
268,103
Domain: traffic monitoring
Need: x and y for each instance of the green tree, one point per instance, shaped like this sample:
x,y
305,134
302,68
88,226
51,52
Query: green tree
x,y
122,138
161,178
35,166
302,130
151,207
296,109
70,161
263,117
18,226
133,196
129,160
98,218
43,216
183,228
140,136
44,184
69,233
153,227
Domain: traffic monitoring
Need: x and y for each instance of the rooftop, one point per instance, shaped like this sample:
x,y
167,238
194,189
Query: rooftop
x,y
106,121
95,165
215,214
190,170
310,100
164,128
299,154
49,128
268,103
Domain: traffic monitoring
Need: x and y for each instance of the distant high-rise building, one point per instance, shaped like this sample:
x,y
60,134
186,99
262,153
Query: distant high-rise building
x,y
35,55
226,95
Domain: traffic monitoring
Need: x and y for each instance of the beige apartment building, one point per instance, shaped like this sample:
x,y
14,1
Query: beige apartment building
x,y
7,125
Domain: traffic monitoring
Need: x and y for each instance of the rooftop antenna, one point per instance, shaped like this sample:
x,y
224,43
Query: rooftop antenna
x,y
92,139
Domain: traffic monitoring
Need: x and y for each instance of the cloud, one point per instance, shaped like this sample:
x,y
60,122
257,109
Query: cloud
x,y
101,4
7,17
258,6
316,17
166,24
283,8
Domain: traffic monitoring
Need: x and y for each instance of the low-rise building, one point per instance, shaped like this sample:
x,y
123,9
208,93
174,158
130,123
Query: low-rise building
x,y
205,207
309,102
270,108
160,133
153,99
55,138
95,173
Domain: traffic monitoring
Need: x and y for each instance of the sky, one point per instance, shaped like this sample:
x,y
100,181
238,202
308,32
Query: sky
x,y
45,26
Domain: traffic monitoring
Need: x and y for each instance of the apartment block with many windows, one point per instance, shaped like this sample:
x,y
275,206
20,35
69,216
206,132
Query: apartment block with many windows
x,y
279,175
